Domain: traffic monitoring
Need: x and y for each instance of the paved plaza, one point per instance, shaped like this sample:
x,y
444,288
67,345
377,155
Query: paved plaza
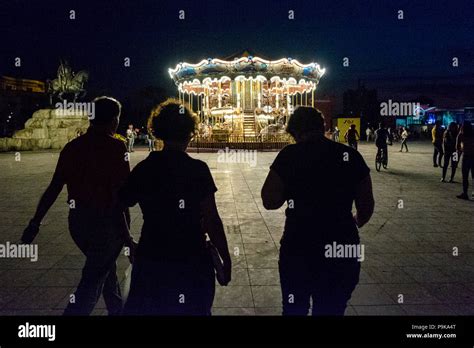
x,y
410,242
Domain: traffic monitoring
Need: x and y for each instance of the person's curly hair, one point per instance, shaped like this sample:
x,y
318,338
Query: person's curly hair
x,y
172,121
305,120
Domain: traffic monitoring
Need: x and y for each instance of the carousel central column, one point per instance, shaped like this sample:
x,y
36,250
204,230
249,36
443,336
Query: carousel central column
x,y
207,100
288,99
219,95
259,96
242,92
237,85
251,93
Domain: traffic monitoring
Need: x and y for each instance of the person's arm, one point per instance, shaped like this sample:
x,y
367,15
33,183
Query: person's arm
x,y
212,225
459,143
364,201
126,190
47,200
273,191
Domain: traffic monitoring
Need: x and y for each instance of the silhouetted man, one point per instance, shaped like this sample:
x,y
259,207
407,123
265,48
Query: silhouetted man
x,y
382,139
437,140
93,166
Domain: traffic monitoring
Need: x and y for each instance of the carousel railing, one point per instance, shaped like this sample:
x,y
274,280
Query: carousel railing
x,y
257,142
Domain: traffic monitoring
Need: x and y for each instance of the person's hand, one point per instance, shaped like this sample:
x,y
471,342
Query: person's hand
x,y
30,232
355,219
227,274
132,247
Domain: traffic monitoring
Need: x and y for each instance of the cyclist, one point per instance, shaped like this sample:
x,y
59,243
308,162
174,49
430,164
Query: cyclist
x,y
351,136
382,138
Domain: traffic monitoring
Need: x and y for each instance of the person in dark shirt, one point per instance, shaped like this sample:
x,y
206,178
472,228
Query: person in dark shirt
x,y
319,179
437,140
352,136
173,273
382,139
93,167
450,152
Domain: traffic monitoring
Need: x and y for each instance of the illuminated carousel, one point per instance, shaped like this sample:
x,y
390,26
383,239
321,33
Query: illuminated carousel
x,y
245,98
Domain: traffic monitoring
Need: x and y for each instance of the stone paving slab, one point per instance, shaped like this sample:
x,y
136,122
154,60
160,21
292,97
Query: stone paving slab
x,y
409,251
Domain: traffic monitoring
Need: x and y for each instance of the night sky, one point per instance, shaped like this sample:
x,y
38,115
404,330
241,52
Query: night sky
x,y
380,46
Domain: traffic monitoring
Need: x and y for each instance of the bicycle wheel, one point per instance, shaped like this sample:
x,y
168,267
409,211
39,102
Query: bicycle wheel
x,y
384,160
378,162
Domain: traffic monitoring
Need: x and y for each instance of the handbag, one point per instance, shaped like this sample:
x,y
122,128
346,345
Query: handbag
x,y
126,283
217,262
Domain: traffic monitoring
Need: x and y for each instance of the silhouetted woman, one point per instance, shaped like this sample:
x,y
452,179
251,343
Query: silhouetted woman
x,y
319,179
173,272
450,153
465,144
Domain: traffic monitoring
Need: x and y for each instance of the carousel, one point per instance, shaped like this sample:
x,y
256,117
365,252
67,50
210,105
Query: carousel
x,y
245,97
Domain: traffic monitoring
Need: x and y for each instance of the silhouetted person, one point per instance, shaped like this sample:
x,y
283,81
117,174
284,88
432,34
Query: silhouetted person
x,y
93,167
437,139
382,139
352,136
173,273
465,144
450,153
319,179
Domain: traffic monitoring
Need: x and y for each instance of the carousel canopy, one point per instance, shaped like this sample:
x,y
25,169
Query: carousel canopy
x,y
247,66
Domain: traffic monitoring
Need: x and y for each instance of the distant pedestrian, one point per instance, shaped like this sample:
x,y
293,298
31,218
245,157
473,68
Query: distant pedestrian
x,y
352,136
150,140
131,134
450,152
465,144
336,134
437,139
368,133
404,137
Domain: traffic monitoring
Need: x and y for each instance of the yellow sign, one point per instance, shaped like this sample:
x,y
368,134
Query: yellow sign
x,y
344,124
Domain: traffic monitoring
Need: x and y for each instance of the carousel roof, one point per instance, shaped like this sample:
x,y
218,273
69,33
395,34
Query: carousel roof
x,y
246,66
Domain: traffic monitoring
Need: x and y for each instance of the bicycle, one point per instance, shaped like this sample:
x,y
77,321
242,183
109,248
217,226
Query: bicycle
x,y
381,159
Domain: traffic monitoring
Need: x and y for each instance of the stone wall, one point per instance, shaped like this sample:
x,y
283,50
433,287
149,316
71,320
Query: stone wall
x,y
46,129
